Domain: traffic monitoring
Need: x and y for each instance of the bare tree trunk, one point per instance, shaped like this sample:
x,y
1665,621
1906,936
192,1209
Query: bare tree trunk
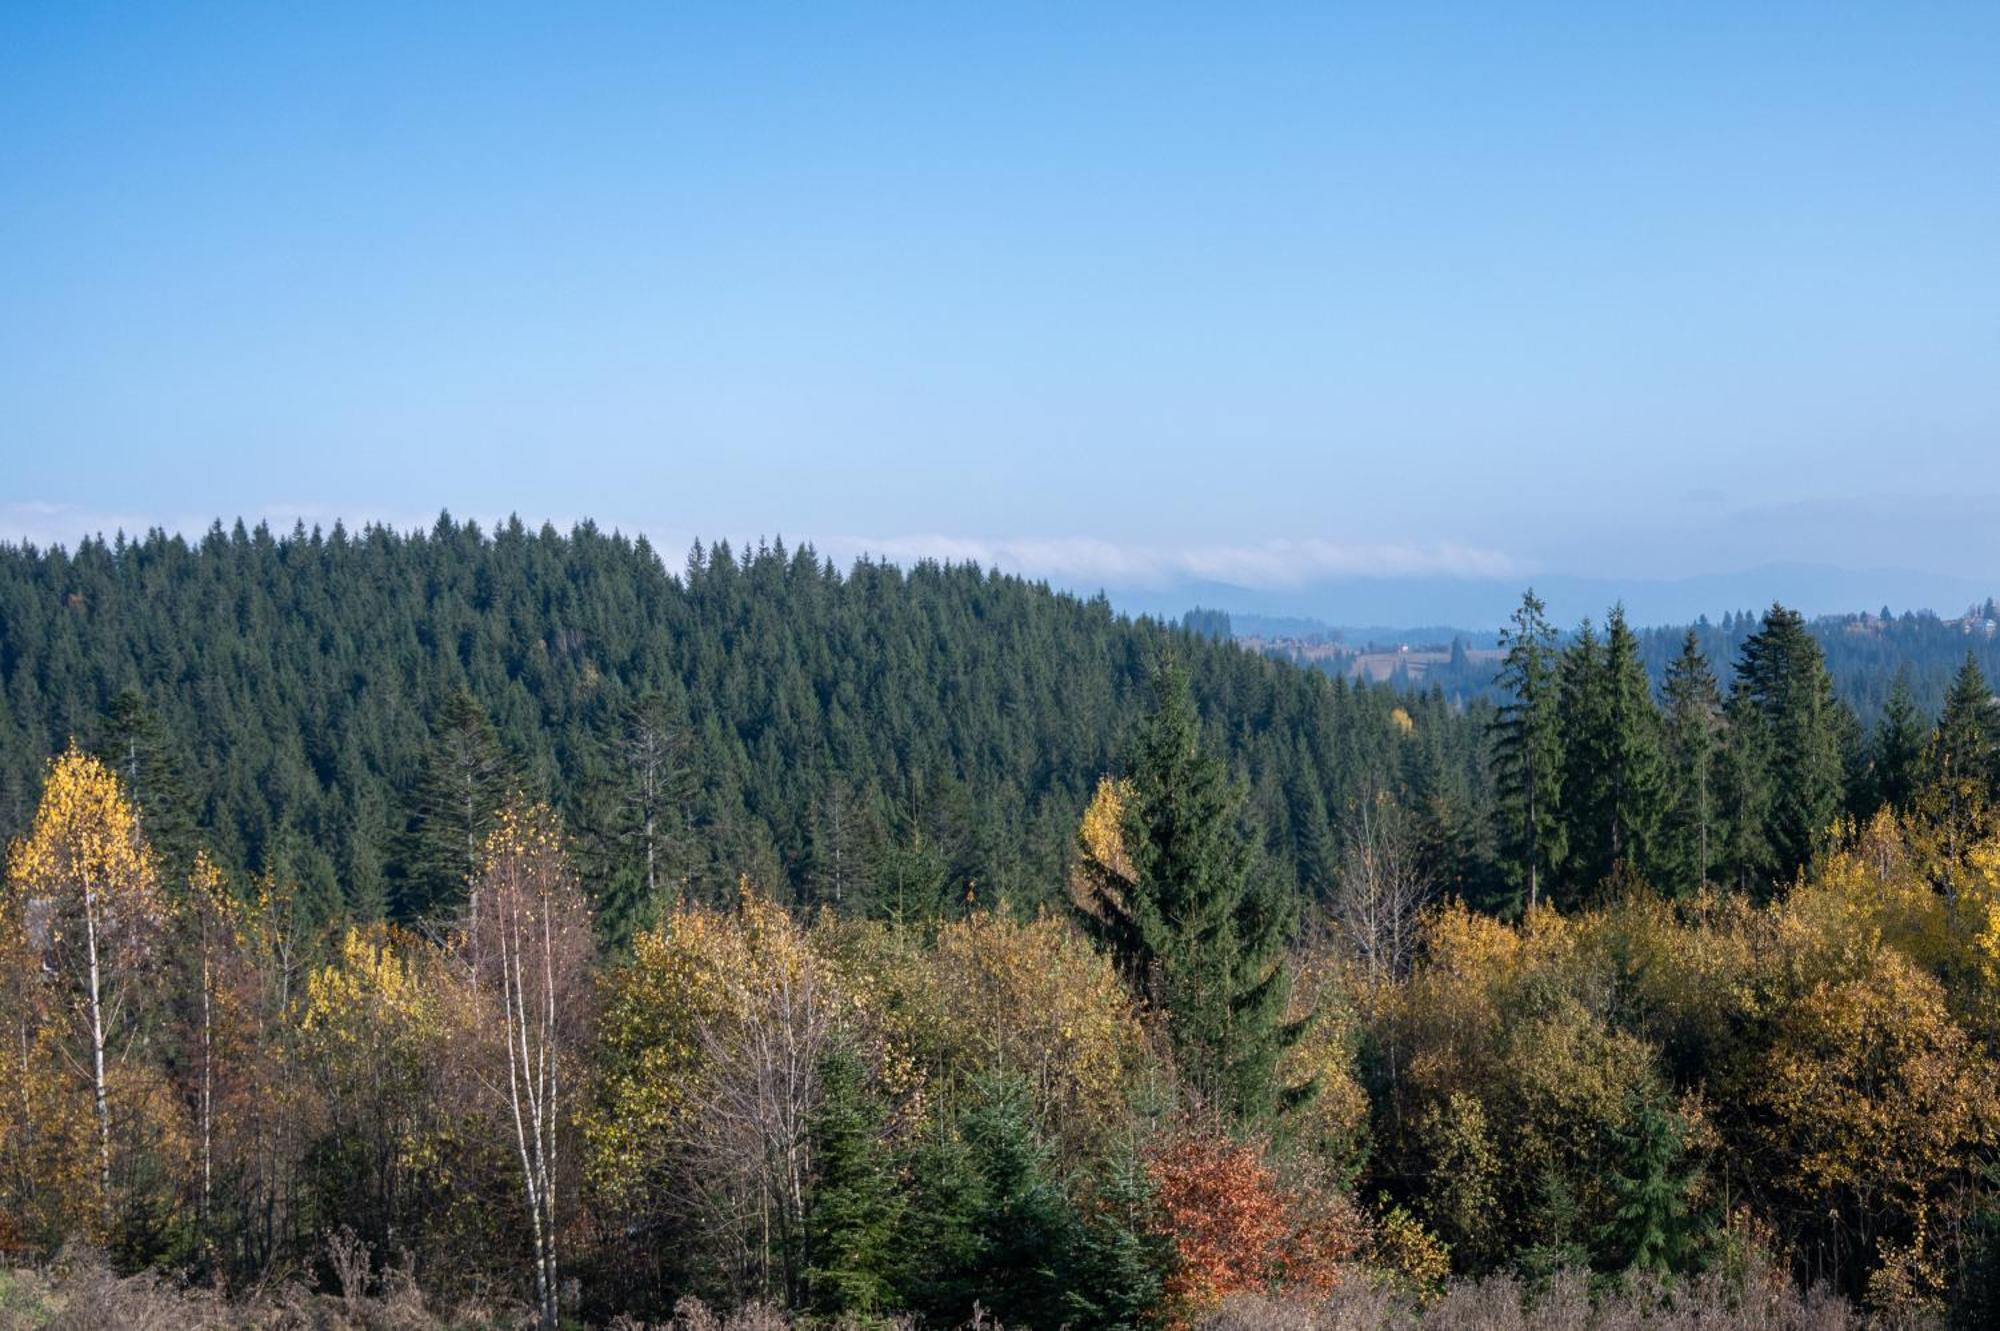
x,y
207,1091
530,1084
97,1053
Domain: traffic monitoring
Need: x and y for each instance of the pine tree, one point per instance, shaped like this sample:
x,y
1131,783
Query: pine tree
x,y
855,1209
1191,920
1527,750
1897,752
1782,677
1692,741
1584,709
466,778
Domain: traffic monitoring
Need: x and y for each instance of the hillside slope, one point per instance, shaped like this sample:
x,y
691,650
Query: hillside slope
x,y
866,735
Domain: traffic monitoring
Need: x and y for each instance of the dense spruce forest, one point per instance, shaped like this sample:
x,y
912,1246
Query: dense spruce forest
x,y
481,928
891,742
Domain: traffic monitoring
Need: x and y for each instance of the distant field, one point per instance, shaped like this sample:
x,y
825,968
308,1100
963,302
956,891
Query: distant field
x,y
1374,663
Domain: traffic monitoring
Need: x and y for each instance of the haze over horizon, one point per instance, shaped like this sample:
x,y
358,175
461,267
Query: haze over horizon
x,y
1325,314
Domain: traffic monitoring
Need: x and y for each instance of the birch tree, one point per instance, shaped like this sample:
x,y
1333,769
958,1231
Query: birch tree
x,y
527,954
85,881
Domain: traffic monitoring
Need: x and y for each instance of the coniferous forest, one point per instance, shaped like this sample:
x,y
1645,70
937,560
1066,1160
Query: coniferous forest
x,y
481,928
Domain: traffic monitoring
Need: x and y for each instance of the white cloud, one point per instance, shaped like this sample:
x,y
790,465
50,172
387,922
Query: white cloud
x,y
1275,563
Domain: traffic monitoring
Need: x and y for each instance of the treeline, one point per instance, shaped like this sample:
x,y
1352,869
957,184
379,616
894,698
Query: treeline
x,y
1601,779
343,710
1866,655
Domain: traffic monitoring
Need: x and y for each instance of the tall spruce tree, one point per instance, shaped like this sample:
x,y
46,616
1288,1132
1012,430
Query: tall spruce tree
x,y
1194,922
1613,787
1584,707
1743,853
464,781
1691,742
1782,678
1634,772
1896,766
1527,750
1967,740
139,748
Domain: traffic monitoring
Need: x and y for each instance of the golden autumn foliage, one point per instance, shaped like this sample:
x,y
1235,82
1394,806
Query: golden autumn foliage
x,y
1333,1124
84,899
991,993
1826,1057
1036,999
1102,831
1511,1076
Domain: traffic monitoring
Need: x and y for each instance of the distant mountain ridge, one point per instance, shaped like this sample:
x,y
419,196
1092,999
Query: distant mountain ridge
x,y
1483,604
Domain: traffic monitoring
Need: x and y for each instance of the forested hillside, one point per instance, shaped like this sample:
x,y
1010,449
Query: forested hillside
x,y
317,705
502,923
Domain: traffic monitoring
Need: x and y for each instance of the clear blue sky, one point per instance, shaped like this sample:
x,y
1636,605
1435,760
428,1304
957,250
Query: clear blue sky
x,y
1116,292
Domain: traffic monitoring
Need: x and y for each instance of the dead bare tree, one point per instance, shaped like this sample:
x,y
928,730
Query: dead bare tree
x,y
527,955
1383,887
654,753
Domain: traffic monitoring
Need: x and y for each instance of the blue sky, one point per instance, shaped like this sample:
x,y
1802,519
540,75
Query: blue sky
x,y
1264,296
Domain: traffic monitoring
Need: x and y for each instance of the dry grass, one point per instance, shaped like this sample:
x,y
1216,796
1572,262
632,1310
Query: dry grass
x,y
80,1293
1566,1303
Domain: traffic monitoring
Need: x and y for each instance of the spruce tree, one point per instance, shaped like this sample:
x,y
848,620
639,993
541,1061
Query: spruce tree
x,y
139,749
1613,789
1652,1229
1527,750
1025,1223
1198,927
1123,1253
1636,770
636,826
941,1236
855,1207
842,830
1896,767
1966,743
1782,678
1692,740
464,781
1744,858
1584,708
1956,799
